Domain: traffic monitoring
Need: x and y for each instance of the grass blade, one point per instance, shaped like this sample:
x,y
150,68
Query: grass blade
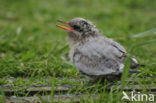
x,y
125,72
146,33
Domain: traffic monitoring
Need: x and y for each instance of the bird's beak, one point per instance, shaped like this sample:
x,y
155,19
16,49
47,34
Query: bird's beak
x,y
68,28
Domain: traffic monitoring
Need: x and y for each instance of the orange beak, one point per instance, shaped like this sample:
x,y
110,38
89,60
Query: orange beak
x,y
68,28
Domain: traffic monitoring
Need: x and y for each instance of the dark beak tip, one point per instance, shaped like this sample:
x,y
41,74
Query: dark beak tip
x,y
61,21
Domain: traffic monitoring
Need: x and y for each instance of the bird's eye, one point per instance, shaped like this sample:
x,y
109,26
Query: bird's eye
x,y
76,27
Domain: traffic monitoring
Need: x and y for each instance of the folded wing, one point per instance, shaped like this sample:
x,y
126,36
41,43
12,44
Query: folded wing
x,y
100,56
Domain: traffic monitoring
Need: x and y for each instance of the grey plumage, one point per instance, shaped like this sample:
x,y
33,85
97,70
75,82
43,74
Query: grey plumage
x,y
98,56
93,54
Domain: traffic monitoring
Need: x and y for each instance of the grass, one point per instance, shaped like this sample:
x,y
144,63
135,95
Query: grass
x,y
32,48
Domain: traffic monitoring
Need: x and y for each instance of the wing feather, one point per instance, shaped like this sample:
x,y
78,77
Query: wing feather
x,y
99,56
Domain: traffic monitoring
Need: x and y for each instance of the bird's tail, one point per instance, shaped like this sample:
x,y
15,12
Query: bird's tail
x,y
134,71
134,64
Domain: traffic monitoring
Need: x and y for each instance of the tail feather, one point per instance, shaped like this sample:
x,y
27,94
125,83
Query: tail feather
x,y
134,64
134,71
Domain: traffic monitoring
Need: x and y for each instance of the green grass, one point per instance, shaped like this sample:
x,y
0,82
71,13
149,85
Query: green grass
x,y
32,48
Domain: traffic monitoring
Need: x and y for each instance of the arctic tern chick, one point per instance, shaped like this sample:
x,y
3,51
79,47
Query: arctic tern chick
x,y
93,54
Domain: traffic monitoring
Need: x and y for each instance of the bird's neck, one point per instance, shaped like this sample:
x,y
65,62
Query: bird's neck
x,y
77,41
73,41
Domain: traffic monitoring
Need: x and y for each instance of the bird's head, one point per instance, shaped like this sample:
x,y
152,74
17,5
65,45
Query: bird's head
x,y
79,28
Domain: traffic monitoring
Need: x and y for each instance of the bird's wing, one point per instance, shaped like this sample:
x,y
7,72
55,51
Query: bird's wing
x,y
99,57
134,63
121,52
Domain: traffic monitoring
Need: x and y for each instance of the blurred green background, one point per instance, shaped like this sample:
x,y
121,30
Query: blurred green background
x,y
32,46
33,49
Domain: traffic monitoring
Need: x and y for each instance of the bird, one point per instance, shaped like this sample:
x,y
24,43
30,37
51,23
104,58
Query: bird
x,y
94,55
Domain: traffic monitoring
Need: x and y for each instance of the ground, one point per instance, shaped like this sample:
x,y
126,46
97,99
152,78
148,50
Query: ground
x,y
33,50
